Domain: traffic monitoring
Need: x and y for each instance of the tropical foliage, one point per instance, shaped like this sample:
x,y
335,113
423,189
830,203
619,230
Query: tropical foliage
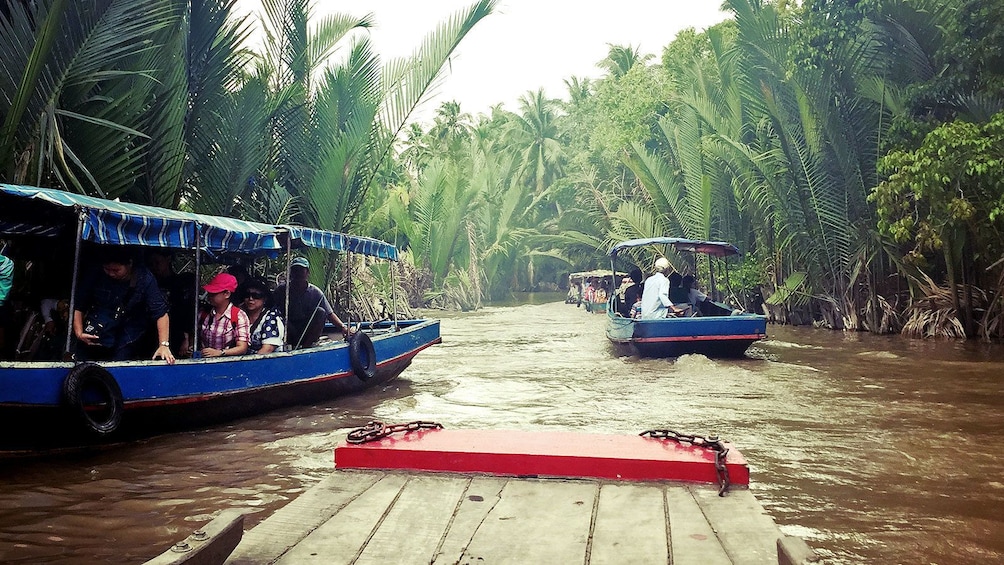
x,y
849,148
162,102
770,130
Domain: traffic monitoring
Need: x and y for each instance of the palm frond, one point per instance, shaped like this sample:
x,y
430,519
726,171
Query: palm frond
x,y
228,175
406,81
328,34
74,57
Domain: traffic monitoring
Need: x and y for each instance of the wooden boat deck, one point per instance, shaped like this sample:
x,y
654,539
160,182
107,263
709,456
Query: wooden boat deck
x,y
380,517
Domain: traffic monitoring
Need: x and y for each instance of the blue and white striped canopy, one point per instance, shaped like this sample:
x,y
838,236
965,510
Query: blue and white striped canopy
x,y
334,241
26,210
121,223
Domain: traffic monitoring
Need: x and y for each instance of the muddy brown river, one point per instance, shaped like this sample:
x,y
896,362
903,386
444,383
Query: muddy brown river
x,y
874,449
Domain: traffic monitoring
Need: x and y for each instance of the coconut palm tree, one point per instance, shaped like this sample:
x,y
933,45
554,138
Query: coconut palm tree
x,y
451,128
620,59
533,136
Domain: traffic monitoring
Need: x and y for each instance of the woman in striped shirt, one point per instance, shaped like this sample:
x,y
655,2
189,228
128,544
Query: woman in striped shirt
x,y
225,329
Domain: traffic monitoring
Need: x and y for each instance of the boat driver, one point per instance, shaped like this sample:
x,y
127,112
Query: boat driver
x,y
655,301
308,307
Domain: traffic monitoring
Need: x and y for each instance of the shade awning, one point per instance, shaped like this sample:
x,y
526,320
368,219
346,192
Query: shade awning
x,y
336,241
595,274
41,211
715,248
48,212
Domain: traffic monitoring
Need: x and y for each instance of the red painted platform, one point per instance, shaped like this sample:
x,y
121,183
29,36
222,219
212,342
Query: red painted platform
x,y
542,453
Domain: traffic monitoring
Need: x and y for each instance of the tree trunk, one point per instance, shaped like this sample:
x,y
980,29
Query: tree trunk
x,y
952,281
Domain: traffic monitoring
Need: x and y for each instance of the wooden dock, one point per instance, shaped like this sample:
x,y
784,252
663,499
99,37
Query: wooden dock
x,y
497,497
381,517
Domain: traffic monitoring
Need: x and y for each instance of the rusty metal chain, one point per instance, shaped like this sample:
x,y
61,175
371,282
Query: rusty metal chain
x,y
375,430
710,442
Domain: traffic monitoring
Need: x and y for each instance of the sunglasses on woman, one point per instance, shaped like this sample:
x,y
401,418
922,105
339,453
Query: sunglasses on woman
x,y
255,295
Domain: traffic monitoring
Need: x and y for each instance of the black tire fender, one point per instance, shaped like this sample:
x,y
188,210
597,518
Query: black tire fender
x,y
362,355
94,381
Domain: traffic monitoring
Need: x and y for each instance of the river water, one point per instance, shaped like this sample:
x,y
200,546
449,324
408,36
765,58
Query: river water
x,y
874,449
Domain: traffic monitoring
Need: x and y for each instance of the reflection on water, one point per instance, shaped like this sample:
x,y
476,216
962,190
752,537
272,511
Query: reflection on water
x,y
872,448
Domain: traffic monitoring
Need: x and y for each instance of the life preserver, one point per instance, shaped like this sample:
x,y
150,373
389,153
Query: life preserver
x,y
103,412
362,355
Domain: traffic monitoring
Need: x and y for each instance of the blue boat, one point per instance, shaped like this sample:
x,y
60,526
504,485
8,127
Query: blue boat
x,y
597,304
726,335
54,403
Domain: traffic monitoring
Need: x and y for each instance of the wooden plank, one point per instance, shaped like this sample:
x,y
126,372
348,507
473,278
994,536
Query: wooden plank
x,y
536,521
417,522
208,545
794,551
483,494
398,517
344,535
629,525
291,523
692,538
747,533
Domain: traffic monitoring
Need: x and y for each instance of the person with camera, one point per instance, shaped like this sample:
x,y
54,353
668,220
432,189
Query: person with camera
x,y
113,308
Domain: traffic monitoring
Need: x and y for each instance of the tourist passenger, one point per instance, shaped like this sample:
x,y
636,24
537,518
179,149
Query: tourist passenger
x,y
6,278
702,303
113,308
619,295
224,329
241,274
6,282
308,307
600,296
179,292
47,280
679,295
698,300
655,297
590,291
268,332
631,294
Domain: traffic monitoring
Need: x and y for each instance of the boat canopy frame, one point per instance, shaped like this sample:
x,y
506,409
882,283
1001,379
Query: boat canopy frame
x,y
714,248
598,273
718,249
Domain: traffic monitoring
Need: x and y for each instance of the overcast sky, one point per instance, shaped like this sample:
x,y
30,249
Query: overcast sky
x,y
525,44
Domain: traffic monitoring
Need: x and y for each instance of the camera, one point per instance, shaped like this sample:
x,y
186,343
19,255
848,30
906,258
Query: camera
x,y
93,327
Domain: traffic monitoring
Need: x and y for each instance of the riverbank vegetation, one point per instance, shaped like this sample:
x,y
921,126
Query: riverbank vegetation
x,y
851,149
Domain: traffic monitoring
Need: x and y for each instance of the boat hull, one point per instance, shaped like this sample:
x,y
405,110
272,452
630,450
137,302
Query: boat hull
x,y
195,392
712,336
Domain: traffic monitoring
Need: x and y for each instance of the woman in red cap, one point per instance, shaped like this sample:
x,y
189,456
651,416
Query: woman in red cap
x,y
225,329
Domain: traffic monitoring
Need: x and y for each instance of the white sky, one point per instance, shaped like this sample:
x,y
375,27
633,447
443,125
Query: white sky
x,y
525,44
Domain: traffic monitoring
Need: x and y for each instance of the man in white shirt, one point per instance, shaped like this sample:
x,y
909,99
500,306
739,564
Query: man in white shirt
x,y
655,299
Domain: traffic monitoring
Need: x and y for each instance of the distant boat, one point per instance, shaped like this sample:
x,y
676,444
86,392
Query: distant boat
x,y
596,302
726,335
52,403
